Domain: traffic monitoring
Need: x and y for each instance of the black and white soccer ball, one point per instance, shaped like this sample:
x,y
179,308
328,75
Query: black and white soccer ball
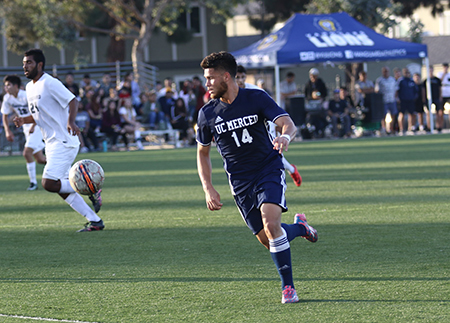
x,y
86,177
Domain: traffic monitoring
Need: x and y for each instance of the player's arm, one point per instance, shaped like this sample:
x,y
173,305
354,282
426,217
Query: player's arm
x,y
73,110
8,133
288,131
204,168
20,121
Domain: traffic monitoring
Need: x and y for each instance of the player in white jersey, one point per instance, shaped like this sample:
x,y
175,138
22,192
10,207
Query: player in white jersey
x,y
241,76
15,101
54,108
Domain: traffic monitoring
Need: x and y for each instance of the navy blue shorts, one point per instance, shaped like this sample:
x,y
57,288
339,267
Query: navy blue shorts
x,y
268,187
407,106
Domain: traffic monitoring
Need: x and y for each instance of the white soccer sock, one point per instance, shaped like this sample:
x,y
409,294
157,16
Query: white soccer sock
x,y
288,166
77,203
31,169
66,187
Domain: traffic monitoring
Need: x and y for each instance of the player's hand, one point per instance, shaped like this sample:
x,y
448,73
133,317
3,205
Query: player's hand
x,y
9,136
213,200
281,144
18,121
73,129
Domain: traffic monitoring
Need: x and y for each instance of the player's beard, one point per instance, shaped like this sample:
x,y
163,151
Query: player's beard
x,y
33,73
220,91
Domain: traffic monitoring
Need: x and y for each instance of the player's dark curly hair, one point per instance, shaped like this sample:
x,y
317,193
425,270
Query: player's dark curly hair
x,y
220,61
13,79
38,56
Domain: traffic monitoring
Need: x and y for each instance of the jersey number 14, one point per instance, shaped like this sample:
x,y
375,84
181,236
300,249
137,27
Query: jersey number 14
x,y
246,138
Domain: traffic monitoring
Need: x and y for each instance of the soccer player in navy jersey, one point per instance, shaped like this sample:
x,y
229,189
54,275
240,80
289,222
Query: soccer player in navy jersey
x,y
236,119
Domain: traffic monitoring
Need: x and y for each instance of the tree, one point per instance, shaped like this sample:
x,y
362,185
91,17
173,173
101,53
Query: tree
x,y
54,22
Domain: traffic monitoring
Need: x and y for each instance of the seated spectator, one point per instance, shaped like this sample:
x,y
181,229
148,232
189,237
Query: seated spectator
x,y
167,102
338,111
111,124
133,86
106,84
168,84
82,120
125,89
94,107
151,112
71,85
87,83
178,119
129,124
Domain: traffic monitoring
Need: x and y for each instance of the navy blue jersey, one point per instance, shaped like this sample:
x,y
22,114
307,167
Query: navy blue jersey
x,y
240,132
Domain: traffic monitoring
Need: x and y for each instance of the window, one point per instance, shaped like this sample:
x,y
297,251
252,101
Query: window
x,y
191,20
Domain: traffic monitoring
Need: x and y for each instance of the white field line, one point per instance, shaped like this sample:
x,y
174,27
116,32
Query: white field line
x,y
42,319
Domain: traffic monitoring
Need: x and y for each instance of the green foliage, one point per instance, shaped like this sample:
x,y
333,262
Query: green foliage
x,y
380,206
415,30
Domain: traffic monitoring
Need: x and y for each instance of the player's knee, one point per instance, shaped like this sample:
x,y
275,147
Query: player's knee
x,y
50,185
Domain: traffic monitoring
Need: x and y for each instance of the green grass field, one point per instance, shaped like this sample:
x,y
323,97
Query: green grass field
x,y
380,205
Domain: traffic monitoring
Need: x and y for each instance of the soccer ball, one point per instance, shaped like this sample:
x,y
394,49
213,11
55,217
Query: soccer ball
x,y
86,177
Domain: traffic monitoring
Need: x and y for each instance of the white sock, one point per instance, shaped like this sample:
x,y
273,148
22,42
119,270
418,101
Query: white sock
x,y
77,203
66,187
288,166
31,169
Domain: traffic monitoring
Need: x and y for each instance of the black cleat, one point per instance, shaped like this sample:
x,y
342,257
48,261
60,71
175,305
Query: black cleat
x,y
96,200
93,226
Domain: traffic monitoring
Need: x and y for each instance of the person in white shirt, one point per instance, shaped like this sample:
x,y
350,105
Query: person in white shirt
x,y
15,101
54,108
241,76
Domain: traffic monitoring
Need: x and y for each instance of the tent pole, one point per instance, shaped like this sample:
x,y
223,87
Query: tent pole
x,y
430,114
277,84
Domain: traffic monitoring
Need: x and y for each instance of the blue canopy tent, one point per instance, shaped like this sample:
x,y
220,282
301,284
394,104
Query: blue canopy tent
x,y
336,37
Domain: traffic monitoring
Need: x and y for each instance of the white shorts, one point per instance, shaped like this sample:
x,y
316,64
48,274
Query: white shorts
x,y
59,160
34,140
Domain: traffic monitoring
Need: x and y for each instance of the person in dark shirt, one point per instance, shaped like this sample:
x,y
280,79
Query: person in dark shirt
x,y
235,119
436,99
407,93
338,111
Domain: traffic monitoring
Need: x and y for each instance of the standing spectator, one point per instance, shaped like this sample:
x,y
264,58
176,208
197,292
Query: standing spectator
x,y
111,124
71,85
316,90
420,102
436,99
362,87
199,92
129,123
178,119
15,101
338,111
444,76
288,88
407,94
262,85
188,95
387,86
